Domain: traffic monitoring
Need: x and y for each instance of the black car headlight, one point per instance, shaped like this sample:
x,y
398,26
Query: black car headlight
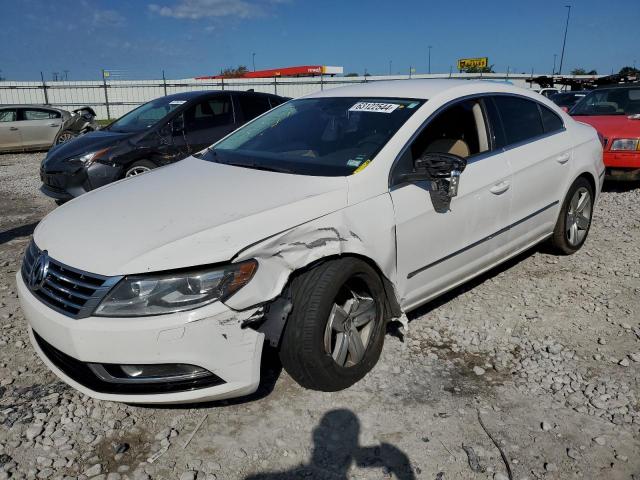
x,y
142,295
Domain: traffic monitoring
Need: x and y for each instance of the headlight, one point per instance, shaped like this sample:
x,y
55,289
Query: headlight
x,y
141,295
626,144
88,158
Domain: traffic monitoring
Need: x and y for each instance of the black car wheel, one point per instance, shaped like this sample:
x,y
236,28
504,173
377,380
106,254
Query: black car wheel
x,y
335,331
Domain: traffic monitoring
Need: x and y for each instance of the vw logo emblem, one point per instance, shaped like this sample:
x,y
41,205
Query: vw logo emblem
x,y
39,271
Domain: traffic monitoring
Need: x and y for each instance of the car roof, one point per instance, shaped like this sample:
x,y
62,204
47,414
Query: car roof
x,y
32,105
420,88
205,93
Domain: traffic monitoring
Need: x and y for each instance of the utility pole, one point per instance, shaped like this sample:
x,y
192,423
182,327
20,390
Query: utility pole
x,y
66,75
429,61
253,60
553,72
564,42
390,62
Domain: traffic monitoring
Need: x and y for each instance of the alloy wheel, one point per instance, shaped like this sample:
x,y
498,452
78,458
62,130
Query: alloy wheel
x,y
64,137
137,171
352,322
579,216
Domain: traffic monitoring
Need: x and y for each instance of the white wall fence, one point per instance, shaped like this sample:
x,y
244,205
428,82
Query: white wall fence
x,y
112,99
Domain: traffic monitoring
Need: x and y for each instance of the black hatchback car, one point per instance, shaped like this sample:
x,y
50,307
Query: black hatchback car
x,y
159,132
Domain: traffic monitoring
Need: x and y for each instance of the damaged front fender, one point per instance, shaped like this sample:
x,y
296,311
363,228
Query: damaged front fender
x,y
366,230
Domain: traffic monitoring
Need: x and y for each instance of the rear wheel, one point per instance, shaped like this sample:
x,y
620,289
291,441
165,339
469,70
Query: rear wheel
x,y
335,331
65,136
139,167
574,220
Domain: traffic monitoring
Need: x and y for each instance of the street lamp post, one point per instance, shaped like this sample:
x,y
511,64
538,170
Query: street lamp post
x,y
390,62
553,72
564,42
429,61
253,60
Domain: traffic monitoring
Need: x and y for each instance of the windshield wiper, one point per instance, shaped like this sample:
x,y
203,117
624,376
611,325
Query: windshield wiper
x,y
255,166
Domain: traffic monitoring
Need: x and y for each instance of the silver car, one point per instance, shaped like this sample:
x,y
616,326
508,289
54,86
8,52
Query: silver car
x,y
38,127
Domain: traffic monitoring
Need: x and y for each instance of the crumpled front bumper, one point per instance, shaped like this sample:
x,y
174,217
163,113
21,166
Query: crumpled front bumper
x,y
71,182
210,337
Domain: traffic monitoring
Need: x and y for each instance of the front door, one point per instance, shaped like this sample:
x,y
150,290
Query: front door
x,y
9,129
441,244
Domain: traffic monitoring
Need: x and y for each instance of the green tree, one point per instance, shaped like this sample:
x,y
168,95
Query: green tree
x,y
234,72
352,74
488,69
629,71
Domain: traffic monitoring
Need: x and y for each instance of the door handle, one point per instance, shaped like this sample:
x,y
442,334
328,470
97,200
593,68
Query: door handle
x,y
564,158
54,124
500,188
13,128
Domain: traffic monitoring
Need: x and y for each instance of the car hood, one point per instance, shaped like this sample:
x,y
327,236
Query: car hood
x,y
89,142
190,213
612,126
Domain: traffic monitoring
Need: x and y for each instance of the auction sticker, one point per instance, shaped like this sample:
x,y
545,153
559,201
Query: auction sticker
x,y
374,107
177,102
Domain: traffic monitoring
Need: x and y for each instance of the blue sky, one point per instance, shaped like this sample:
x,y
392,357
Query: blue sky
x,y
197,37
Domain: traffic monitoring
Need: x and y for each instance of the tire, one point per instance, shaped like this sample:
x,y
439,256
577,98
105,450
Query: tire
x,y
309,350
574,221
64,137
139,167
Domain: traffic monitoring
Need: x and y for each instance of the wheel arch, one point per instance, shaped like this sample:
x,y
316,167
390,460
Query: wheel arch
x,y
276,311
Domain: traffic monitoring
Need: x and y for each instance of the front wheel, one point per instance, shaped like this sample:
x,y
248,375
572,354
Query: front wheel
x,y
139,167
574,220
336,328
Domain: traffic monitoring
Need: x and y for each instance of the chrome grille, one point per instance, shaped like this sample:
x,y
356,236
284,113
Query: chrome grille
x,y
65,289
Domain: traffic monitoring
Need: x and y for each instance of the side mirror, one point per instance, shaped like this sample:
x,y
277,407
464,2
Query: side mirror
x,y
442,169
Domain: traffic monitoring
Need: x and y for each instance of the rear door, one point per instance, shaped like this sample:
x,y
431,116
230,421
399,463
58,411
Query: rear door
x,y
538,150
39,126
208,120
9,129
441,244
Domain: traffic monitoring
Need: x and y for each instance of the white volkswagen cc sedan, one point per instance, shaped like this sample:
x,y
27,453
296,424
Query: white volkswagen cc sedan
x,y
309,228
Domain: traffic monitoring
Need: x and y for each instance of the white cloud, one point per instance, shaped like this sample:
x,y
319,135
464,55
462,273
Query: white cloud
x,y
198,9
107,18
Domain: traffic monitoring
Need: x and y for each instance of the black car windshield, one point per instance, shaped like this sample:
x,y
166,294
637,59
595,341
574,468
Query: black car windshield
x,y
329,136
146,115
609,101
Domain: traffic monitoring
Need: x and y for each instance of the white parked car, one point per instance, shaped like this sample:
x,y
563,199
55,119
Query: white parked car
x,y
308,228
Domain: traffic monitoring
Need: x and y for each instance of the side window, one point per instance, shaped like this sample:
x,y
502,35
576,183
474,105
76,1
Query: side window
x,y
275,101
39,114
210,113
520,118
459,129
550,121
252,106
8,115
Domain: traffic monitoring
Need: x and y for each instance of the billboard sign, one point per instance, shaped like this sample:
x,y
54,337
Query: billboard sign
x,y
480,62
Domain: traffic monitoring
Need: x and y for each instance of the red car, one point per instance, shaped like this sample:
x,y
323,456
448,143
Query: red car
x,y
615,113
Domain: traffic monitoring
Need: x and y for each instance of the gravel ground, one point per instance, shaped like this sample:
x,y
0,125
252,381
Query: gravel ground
x,y
542,355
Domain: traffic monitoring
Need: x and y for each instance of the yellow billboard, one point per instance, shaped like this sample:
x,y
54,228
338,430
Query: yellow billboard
x,y
480,62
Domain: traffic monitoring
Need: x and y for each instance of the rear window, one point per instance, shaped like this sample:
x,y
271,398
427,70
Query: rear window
x,y
550,121
520,118
39,114
253,106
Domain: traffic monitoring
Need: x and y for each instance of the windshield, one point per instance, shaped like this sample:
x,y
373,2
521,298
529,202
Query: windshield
x,y
610,101
316,136
146,115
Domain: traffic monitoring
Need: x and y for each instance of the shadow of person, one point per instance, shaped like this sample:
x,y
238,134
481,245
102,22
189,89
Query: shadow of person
x,y
336,448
